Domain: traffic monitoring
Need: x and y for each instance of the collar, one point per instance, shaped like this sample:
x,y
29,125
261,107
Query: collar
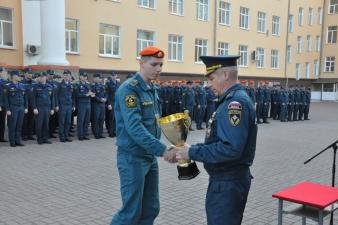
x,y
230,92
143,84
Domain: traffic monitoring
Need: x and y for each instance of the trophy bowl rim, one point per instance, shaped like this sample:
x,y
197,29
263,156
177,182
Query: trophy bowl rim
x,y
172,118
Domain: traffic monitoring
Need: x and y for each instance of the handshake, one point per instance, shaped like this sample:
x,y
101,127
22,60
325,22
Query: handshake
x,y
173,153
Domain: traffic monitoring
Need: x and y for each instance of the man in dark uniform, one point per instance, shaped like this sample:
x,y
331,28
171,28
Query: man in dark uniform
x,y
111,87
211,104
291,103
98,106
3,110
65,105
284,99
260,104
137,108
230,144
302,101
28,120
307,103
15,101
43,104
83,96
202,104
266,102
52,78
189,100
296,103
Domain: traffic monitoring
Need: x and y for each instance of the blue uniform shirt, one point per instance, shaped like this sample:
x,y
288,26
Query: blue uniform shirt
x,y
81,91
65,94
230,143
42,96
15,95
136,107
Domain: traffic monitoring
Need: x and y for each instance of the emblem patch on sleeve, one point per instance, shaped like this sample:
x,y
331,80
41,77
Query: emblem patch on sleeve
x,y
234,113
130,101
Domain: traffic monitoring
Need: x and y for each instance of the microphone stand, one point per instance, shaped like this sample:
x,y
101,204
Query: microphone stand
x,y
334,146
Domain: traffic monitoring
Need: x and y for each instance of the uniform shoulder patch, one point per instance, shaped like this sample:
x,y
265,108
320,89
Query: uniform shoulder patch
x,y
131,101
234,113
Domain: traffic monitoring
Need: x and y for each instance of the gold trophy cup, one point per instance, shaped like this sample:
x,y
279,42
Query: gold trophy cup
x,y
176,127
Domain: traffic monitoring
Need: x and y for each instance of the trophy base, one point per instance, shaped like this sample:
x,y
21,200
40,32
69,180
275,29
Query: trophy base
x,y
188,172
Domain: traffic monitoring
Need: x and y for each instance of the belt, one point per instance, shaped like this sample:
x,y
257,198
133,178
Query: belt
x,y
230,175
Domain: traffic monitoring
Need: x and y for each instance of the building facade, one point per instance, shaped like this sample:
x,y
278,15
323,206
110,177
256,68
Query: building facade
x,y
282,42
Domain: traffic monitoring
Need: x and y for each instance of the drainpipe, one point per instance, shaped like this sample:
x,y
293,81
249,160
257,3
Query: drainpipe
x,y
215,29
286,46
322,40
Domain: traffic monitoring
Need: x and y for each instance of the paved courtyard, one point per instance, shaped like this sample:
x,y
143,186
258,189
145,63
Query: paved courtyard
x,y
77,183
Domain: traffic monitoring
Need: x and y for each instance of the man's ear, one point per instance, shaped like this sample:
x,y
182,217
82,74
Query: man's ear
x,y
226,75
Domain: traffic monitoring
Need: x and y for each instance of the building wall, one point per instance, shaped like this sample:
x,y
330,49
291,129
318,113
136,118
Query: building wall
x,y
303,31
13,56
329,49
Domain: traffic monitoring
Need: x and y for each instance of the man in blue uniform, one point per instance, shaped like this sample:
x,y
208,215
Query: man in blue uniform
x,y
65,105
189,100
137,108
15,101
284,99
230,143
82,96
98,106
28,120
307,103
211,104
43,103
111,87
3,82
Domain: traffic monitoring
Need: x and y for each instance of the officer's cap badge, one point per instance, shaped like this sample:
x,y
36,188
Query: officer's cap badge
x,y
131,101
234,113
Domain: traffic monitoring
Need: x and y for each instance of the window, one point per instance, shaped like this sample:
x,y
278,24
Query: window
x,y
307,70
309,16
320,16
333,6
223,48
308,43
109,40
316,68
260,55
72,36
175,47
176,7
274,59
244,18
317,43
299,44
201,48
224,11
332,34
202,9
146,3
6,28
329,64
298,71
261,22
290,23
144,39
276,25
243,52
300,16
288,54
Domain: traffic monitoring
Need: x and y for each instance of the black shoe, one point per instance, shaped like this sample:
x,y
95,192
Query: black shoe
x,y
13,145
52,136
198,128
266,122
259,122
68,140
40,142
97,137
25,138
62,140
80,138
70,135
3,140
86,138
191,129
102,136
112,135
47,142
19,144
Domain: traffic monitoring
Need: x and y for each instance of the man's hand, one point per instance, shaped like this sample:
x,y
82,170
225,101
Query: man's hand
x,y
8,113
52,112
0,109
56,108
73,109
26,111
35,111
169,154
110,107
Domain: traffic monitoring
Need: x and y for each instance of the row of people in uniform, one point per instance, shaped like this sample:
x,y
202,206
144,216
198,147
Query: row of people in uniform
x,y
44,102
280,103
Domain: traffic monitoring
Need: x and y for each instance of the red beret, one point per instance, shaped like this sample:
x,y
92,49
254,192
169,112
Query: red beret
x,y
152,51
